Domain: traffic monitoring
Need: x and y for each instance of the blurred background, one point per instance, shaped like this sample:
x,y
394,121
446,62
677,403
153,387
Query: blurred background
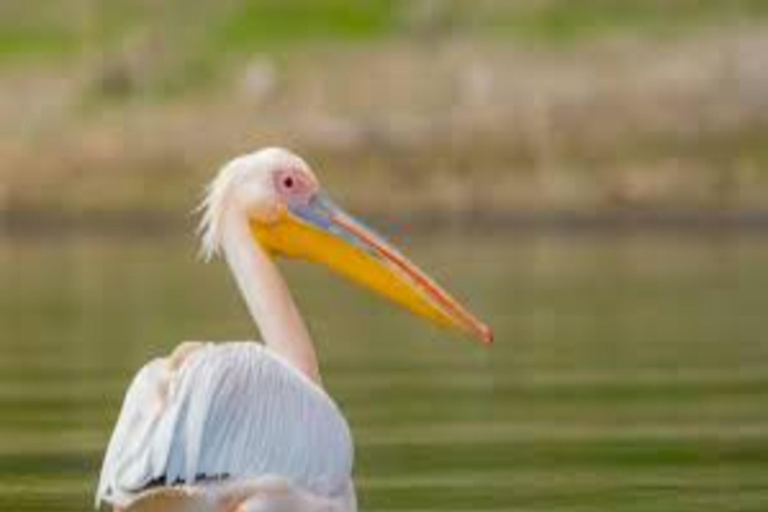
x,y
590,175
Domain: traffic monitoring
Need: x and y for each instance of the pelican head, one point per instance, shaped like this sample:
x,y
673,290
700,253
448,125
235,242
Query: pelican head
x,y
290,215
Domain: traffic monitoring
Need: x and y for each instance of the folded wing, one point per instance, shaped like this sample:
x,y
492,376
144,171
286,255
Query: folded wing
x,y
229,411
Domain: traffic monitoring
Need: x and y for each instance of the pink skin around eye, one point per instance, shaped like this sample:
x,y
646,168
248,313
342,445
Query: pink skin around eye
x,y
292,185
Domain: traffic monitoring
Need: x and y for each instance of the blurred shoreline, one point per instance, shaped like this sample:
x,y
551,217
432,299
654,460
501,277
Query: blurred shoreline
x,y
453,128
677,223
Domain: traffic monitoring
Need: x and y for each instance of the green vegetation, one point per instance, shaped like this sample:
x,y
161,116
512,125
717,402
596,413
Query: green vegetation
x,y
30,30
256,23
18,45
573,19
544,94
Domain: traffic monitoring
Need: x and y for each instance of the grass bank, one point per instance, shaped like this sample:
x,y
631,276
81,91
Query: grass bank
x,y
402,106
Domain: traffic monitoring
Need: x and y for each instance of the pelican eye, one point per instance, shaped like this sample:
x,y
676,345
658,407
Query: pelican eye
x,y
293,186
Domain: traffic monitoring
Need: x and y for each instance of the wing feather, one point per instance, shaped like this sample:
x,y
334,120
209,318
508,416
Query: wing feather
x,y
232,410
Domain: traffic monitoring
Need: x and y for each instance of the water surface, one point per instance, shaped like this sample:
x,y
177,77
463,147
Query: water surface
x,y
630,372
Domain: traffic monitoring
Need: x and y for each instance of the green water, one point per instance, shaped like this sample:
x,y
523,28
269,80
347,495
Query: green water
x,y
630,373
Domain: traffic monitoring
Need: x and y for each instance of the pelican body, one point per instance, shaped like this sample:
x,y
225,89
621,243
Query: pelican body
x,y
247,426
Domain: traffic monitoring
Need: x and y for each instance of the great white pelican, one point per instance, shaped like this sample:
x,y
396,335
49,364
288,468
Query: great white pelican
x,y
246,426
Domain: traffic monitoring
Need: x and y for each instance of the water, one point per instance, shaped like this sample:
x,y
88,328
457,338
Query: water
x,y
630,372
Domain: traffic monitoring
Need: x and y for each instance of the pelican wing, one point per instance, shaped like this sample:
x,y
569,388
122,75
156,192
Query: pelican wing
x,y
232,410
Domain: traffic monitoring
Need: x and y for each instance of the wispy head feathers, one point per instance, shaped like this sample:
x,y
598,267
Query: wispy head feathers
x,y
245,181
213,207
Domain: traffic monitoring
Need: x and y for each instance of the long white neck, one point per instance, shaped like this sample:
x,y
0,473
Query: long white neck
x,y
267,296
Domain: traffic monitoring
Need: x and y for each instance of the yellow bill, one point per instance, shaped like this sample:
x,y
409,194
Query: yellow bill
x,y
321,232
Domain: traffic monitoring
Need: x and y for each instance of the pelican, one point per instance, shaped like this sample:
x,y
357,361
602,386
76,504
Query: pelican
x,y
247,426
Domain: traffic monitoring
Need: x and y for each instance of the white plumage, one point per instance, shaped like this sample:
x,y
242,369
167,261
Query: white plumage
x,y
229,411
244,427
